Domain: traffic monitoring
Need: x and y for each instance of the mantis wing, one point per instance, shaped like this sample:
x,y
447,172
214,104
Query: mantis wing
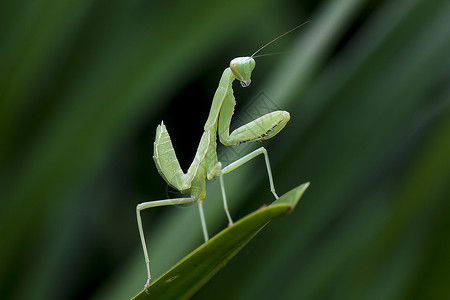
x,y
167,163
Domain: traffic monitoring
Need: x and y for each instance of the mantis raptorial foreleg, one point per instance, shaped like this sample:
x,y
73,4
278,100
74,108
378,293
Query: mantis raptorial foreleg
x,y
259,129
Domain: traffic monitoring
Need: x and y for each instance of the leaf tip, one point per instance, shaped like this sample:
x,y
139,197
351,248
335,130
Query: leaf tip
x,y
292,197
296,194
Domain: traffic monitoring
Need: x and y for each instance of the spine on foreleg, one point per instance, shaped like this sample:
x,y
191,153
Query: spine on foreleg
x,y
166,160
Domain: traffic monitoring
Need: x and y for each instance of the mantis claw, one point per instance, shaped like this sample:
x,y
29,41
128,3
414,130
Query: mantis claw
x,y
275,194
147,284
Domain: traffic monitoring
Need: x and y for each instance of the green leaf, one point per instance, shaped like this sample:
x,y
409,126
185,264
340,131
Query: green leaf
x,y
193,271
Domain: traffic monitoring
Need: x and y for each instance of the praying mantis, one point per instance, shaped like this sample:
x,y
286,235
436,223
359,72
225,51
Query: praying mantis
x,y
206,164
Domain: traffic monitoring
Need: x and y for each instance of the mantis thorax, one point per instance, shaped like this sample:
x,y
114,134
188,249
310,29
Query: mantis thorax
x,y
242,68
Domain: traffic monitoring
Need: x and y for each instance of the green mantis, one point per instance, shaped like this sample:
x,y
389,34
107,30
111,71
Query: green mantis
x,y
205,164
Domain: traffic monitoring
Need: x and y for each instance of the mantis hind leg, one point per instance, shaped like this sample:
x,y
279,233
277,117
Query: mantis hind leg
x,y
150,204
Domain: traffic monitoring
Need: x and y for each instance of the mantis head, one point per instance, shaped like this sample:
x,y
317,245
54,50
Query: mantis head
x,y
242,68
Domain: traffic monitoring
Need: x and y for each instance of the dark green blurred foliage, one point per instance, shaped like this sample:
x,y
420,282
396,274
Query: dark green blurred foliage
x,y
83,85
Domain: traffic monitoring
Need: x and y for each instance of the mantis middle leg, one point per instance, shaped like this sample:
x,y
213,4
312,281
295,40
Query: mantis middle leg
x,y
234,165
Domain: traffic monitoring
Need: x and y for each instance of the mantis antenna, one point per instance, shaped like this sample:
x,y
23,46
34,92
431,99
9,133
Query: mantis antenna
x,y
280,36
273,53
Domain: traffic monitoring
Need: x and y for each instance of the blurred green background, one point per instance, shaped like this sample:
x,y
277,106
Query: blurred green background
x,y
83,85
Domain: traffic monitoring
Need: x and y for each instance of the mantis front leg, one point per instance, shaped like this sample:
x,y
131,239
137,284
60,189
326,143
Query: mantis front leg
x,y
263,128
